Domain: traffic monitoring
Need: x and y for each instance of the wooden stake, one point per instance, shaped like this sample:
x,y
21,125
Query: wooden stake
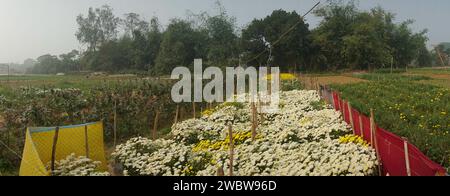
x,y
261,114
115,123
351,118
343,110
193,110
177,113
361,128
86,140
318,88
254,121
332,99
408,167
321,92
372,127
230,129
155,125
220,171
374,141
55,143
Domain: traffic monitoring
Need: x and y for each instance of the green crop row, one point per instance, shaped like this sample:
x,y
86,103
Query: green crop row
x,y
418,112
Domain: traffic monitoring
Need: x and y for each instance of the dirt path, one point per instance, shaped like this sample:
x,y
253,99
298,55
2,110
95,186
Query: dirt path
x,y
311,81
441,79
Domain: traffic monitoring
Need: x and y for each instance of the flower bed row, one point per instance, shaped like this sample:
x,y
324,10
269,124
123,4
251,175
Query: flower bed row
x,y
415,111
304,138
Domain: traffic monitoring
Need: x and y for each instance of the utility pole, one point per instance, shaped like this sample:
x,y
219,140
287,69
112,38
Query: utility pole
x,y
8,72
438,51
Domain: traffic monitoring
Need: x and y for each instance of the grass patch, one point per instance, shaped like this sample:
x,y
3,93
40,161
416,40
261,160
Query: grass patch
x,y
391,77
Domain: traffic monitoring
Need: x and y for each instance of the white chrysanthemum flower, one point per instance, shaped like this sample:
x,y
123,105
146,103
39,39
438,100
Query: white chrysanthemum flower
x,y
298,140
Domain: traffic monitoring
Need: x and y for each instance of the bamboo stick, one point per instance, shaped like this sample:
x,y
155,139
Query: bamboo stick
x,y
372,127
254,121
343,109
177,113
231,146
361,126
55,143
115,124
155,125
261,113
407,163
86,140
193,110
373,136
351,118
220,171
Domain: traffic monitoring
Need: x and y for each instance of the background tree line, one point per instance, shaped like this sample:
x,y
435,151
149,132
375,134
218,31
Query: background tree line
x,y
346,38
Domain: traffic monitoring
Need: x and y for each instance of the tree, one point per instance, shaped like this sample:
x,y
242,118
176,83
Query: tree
x,y
352,39
154,39
425,58
29,62
113,56
133,22
98,27
253,43
145,46
180,45
337,22
406,44
366,47
70,61
222,40
47,64
285,32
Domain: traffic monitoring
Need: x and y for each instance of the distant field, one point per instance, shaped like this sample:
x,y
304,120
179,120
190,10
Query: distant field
x,y
51,81
438,70
439,76
434,76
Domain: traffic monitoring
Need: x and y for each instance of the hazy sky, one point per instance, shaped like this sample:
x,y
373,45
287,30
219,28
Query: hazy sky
x,y
30,28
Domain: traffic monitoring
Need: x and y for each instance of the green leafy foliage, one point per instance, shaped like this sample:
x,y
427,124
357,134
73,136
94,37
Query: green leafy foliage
x,y
416,111
346,38
288,50
349,38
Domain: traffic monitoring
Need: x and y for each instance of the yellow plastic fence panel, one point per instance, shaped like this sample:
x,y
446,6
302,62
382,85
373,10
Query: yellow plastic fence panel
x,y
31,163
71,140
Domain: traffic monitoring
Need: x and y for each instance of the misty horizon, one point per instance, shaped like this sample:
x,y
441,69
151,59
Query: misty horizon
x,y
35,28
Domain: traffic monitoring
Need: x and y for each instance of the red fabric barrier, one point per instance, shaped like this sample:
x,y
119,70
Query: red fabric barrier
x,y
356,124
336,101
421,165
346,112
366,127
392,155
390,147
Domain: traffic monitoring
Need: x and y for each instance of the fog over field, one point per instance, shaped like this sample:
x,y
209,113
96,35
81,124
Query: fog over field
x,y
33,28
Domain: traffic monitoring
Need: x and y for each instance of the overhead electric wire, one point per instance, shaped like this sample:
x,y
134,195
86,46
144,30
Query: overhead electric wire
x,y
287,32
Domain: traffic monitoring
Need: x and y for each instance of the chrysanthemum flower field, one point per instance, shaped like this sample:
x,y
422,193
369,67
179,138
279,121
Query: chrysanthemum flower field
x,y
305,137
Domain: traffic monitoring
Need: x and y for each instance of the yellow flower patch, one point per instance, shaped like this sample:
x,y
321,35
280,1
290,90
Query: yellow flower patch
x,y
353,139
